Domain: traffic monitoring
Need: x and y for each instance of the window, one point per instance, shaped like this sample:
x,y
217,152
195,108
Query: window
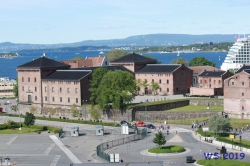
x,y
219,81
160,81
76,100
177,89
76,90
23,88
205,81
209,79
53,99
22,79
68,90
36,98
242,83
68,100
242,94
45,88
53,89
35,79
209,85
167,89
242,108
160,89
60,90
200,81
28,79
35,89
60,99
45,98
167,81
152,80
232,83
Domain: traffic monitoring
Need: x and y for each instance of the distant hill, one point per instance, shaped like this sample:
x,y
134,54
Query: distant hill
x,y
140,40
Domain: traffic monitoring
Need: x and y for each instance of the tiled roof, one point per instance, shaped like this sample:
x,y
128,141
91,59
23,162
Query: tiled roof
x,y
43,62
133,58
199,69
244,67
159,68
211,74
106,67
247,71
67,75
97,61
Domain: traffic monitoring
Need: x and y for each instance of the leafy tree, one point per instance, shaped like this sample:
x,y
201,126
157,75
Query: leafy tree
x,y
74,111
77,58
219,123
32,109
29,119
117,87
201,61
232,71
115,54
15,89
95,113
159,139
145,84
94,83
52,111
138,85
180,60
155,86
151,57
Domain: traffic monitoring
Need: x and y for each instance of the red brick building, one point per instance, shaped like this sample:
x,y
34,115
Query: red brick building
x,y
210,83
237,94
173,79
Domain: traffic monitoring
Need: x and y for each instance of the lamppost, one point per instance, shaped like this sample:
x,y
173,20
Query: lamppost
x,y
20,129
146,111
85,109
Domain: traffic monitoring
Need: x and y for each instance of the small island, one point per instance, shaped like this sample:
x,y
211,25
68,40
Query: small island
x,y
9,55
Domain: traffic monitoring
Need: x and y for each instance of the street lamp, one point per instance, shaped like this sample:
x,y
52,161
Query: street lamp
x,y
85,109
20,129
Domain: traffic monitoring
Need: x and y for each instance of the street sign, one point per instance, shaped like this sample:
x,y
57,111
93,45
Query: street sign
x,y
232,136
205,128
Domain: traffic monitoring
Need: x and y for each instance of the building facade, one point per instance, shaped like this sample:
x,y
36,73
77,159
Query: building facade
x,y
237,95
6,87
172,79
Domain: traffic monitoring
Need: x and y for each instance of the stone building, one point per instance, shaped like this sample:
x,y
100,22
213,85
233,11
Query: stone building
x,y
132,61
237,94
172,79
6,87
210,83
198,70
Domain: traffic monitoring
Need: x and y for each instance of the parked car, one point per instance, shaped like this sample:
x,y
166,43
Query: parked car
x,y
140,124
151,126
124,122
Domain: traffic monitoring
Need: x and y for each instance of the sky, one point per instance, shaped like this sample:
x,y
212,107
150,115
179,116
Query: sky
x,y
69,21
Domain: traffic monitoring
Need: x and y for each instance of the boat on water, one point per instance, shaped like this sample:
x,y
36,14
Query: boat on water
x,y
238,54
101,52
178,54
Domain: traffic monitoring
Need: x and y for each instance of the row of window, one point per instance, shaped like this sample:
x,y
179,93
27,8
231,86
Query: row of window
x,y
61,99
242,83
139,81
205,81
53,99
7,85
28,79
60,89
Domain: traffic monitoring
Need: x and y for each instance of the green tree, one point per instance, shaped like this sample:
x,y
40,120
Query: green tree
x,y
145,84
15,89
201,61
232,71
151,57
52,111
29,119
159,139
116,87
180,60
74,111
95,113
155,86
94,83
219,123
115,54
77,58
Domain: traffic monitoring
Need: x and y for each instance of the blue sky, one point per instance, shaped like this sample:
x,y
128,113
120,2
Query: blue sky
x,y
68,21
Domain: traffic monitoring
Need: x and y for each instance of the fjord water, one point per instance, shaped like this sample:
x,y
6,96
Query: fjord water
x,y
8,66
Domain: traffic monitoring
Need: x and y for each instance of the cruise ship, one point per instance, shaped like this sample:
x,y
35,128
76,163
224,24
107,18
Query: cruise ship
x,y
238,55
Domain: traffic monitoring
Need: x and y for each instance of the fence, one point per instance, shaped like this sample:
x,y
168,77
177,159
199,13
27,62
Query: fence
x,y
100,149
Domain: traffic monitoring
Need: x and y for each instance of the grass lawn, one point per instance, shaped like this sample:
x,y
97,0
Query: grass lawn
x,y
16,131
167,149
199,108
221,162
